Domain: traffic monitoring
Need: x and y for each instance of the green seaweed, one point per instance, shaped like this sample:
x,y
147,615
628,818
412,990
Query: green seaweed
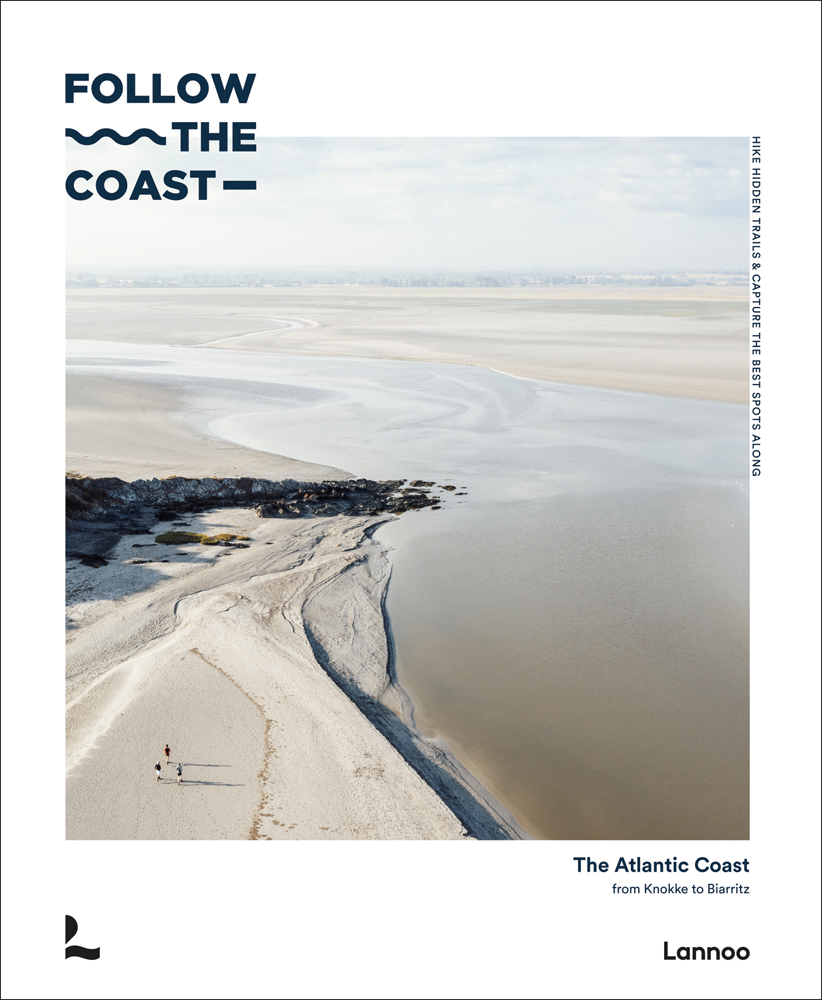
x,y
182,537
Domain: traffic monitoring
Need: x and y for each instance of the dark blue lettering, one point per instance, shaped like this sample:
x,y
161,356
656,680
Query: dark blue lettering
x,y
156,95
201,82
206,137
202,176
72,88
239,138
98,82
72,178
145,185
184,128
224,91
131,96
100,184
170,180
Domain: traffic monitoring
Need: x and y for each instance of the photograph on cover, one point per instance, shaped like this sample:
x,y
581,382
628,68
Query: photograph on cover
x,y
407,491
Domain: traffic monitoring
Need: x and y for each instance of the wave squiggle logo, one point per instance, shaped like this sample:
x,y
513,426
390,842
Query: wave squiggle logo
x,y
109,133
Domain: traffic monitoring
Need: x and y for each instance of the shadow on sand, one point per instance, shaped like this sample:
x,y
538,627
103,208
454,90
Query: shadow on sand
x,y
192,764
172,778
222,784
98,540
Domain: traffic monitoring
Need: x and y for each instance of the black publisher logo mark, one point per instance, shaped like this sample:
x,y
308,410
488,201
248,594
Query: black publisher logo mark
x,y
76,950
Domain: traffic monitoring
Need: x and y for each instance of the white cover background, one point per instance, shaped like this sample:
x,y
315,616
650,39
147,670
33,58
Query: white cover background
x,y
202,919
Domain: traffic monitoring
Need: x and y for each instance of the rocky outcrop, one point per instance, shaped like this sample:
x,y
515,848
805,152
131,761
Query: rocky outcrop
x,y
91,498
354,497
111,499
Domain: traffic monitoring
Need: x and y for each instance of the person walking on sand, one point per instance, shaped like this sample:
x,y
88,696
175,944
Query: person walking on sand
x,y
167,752
158,770
179,774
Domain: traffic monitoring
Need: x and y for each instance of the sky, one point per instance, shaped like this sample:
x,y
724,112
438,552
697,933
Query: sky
x,y
660,204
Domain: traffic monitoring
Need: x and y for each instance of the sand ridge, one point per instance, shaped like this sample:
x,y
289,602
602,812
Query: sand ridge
x,y
209,652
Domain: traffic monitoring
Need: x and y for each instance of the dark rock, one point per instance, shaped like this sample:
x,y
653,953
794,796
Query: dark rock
x,y
124,507
94,561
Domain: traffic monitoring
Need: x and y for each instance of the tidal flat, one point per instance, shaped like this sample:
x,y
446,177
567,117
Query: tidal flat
x,y
572,624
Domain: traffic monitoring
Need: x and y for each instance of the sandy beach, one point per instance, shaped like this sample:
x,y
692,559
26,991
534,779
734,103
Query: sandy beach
x,y
271,671
208,650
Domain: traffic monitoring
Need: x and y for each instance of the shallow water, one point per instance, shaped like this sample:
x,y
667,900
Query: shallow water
x,y
586,656
575,627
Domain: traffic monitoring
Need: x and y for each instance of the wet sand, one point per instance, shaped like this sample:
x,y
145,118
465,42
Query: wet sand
x,y
136,429
688,341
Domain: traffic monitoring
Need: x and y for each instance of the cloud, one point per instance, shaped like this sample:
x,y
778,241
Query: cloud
x,y
626,202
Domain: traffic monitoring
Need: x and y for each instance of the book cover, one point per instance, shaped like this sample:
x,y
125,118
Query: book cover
x,y
430,475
